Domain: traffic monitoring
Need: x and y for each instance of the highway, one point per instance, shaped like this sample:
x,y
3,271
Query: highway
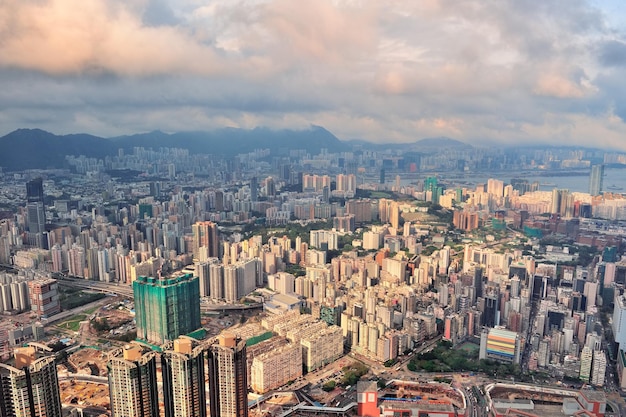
x,y
126,291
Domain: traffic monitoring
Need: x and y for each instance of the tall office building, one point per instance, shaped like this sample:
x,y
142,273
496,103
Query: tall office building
x,y
228,385
36,217
254,189
31,387
166,308
34,191
595,179
36,212
183,372
205,234
133,388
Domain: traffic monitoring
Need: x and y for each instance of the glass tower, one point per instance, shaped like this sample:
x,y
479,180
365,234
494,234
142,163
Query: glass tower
x,y
595,179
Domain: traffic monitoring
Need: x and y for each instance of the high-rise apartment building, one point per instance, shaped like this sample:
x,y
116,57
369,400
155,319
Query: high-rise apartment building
x,y
495,187
133,388
322,347
44,297
362,210
184,393
598,368
346,184
205,235
619,320
595,179
586,358
228,385
273,369
166,308
31,387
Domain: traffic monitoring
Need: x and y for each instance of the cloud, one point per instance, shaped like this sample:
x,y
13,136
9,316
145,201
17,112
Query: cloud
x,y
613,53
381,70
556,85
95,36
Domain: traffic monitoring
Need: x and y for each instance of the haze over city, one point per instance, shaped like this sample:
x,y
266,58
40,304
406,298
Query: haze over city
x,y
480,72
284,208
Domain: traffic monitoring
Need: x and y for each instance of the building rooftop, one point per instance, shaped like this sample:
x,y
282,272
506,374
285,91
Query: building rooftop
x,y
366,386
425,405
593,395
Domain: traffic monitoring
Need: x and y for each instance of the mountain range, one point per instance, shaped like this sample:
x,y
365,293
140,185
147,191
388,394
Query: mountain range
x,y
34,148
37,149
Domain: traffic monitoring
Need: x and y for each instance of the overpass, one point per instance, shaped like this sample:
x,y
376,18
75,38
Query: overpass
x,y
124,290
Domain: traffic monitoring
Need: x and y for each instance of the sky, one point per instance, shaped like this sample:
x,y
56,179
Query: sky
x,y
480,71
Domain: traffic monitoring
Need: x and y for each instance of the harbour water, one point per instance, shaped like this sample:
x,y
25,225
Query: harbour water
x,y
614,179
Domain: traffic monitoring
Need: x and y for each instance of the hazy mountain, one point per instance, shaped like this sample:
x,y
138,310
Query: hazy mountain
x,y
35,148
426,145
439,143
232,141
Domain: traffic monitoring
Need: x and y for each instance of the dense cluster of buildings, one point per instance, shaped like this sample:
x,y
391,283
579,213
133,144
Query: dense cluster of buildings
x,y
404,275
30,387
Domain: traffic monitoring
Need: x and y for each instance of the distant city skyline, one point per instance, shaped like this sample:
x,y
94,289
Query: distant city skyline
x,y
480,72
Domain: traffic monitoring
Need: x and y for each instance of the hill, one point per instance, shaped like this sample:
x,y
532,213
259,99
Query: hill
x,y
34,148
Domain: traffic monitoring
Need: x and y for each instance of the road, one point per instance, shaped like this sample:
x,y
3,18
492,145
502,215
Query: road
x,y
70,313
126,291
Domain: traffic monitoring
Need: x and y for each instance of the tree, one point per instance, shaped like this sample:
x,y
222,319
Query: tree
x,y
329,385
57,346
100,325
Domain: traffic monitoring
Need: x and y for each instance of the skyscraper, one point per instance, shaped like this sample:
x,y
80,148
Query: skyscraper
x,y
34,191
166,308
254,189
228,385
205,234
133,382
36,217
36,212
184,393
31,387
595,179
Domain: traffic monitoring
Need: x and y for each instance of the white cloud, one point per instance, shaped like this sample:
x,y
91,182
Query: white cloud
x,y
381,70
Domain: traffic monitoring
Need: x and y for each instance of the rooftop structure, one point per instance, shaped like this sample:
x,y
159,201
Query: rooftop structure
x,y
31,386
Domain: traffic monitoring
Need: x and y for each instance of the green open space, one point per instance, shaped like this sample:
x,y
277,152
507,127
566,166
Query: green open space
x,y
444,358
472,348
73,323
